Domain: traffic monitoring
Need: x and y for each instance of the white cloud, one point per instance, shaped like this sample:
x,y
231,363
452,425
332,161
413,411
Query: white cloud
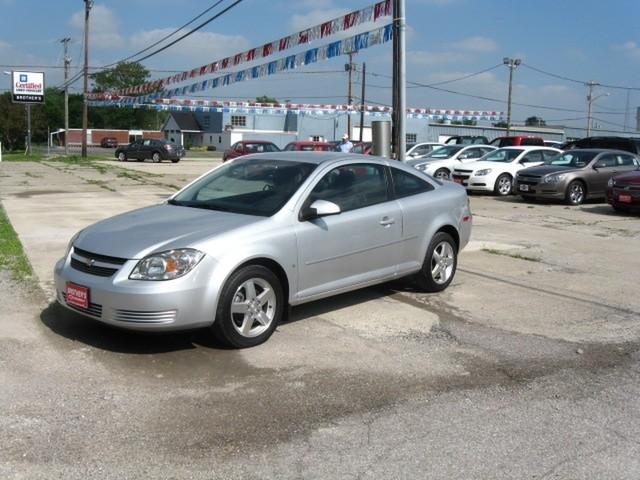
x,y
315,17
104,29
630,48
193,51
476,44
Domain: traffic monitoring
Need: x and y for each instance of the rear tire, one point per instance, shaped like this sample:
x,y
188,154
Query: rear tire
x,y
251,306
122,157
576,193
156,157
504,185
440,264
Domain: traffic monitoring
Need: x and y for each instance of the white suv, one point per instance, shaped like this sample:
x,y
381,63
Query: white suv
x,y
495,171
441,162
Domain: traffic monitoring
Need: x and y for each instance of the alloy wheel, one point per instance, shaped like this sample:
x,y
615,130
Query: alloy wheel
x,y
253,307
576,193
442,262
442,174
504,185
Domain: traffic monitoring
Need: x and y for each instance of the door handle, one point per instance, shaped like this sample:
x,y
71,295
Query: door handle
x,y
386,221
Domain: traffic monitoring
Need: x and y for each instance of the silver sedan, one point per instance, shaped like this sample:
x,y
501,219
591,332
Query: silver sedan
x,y
238,245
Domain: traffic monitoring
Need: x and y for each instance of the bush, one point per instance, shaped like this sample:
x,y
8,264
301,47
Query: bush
x,y
211,148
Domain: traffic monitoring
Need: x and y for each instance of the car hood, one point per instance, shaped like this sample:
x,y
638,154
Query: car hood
x,y
546,170
138,233
631,178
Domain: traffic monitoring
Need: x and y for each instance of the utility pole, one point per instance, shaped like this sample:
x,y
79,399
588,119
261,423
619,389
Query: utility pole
x,y
67,61
364,83
512,63
28,107
590,99
349,69
626,110
399,80
85,113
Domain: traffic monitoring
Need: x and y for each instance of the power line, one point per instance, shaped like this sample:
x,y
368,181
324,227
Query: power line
x,y
444,82
190,32
155,52
574,80
201,14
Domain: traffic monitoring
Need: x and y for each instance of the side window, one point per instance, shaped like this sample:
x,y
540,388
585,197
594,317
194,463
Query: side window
x,y
548,154
606,161
625,160
474,153
289,147
238,147
534,156
146,143
352,187
486,150
405,184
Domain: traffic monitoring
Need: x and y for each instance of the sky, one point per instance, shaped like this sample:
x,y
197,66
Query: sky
x,y
581,40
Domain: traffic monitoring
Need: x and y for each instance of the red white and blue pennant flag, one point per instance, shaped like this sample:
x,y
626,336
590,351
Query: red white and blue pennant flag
x,y
352,44
372,13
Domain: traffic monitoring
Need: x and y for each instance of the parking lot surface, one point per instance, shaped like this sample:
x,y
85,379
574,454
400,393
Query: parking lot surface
x,y
527,366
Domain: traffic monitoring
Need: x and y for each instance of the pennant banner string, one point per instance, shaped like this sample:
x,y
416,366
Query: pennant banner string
x,y
371,13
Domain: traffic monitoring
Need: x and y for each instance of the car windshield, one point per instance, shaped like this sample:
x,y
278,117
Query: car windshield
x,y
444,152
503,155
260,147
574,158
248,186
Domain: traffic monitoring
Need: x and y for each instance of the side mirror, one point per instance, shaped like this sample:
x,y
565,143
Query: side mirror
x,y
599,165
319,208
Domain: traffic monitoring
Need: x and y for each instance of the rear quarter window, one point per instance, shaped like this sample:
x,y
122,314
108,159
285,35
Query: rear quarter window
x,y
406,184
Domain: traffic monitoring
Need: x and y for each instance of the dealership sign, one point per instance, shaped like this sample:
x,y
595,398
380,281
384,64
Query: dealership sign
x,y
27,87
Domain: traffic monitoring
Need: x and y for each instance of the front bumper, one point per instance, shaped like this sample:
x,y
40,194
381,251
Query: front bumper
x,y
184,303
473,182
527,188
631,196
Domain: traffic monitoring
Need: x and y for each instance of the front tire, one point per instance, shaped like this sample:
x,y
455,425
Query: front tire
x,y
440,264
122,157
250,307
575,193
504,185
442,174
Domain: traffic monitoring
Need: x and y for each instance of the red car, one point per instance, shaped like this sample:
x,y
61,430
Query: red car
x,y
310,146
365,148
517,141
623,191
246,147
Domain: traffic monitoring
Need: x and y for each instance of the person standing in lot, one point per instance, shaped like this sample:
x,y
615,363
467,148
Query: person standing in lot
x,y
345,145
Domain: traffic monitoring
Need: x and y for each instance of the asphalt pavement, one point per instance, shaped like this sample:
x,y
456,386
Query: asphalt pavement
x,y
526,367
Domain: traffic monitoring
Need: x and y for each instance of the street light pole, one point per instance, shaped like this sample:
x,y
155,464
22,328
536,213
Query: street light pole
x,y
85,113
399,80
349,68
67,61
512,63
590,99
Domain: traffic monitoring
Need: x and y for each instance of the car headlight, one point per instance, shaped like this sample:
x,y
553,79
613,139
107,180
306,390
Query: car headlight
x,y
167,265
611,182
554,178
483,172
71,242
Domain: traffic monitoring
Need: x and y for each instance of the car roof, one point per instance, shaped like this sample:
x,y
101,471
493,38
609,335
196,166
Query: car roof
x,y
317,157
309,142
600,150
255,141
530,147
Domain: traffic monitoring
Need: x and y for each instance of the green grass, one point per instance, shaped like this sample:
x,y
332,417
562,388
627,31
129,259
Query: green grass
x,y
41,157
518,256
12,257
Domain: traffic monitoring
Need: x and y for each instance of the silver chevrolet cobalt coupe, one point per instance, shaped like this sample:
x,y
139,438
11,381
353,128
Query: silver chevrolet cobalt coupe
x,y
233,249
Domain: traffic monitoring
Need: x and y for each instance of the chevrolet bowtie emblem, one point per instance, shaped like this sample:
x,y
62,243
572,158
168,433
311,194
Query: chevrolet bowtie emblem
x,y
90,262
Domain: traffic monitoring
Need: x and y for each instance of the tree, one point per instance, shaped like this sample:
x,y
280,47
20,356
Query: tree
x,y
123,75
535,122
266,99
501,124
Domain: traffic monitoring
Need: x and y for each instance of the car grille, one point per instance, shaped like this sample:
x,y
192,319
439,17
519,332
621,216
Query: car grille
x,y
529,179
94,310
627,188
462,175
87,263
133,316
